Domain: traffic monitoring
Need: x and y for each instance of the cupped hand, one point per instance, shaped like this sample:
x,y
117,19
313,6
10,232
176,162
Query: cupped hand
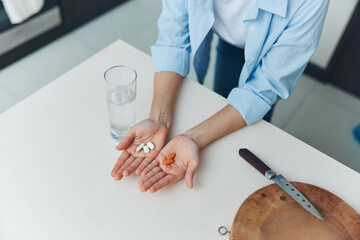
x,y
130,160
157,175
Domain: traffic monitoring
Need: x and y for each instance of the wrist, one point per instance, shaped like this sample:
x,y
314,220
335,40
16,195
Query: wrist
x,y
162,116
195,135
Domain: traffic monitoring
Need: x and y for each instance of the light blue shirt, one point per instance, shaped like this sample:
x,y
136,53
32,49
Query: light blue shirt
x,y
282,37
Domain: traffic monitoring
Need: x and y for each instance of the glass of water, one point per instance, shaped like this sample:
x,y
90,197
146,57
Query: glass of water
x,y
120,96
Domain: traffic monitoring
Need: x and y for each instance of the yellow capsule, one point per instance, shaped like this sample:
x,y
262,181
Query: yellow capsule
x,y
171,156
168,161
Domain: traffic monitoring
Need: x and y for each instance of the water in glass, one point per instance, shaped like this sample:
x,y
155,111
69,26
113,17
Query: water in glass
x,y
121,108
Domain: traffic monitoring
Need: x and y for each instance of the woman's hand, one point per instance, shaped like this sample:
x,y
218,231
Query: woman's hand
x,y
186,147
157,175
148,130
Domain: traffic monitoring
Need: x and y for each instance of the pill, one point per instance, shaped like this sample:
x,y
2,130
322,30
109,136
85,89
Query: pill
x,y
168,161
146,149
150,145
171,156
140,147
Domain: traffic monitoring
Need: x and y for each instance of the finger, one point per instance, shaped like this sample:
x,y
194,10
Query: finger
x,y
149,167
128,139
126,164
189,175
143,165
128,171
153,172
168,179
146,185
124,155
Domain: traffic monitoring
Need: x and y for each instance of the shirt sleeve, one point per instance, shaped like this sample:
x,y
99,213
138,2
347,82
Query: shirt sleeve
x,y
171,52
279,70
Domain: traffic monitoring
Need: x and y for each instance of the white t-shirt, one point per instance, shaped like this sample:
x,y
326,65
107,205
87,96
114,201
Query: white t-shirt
x,y
229,17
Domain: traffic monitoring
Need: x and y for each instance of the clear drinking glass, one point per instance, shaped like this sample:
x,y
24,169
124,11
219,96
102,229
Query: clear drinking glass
x,y
120,97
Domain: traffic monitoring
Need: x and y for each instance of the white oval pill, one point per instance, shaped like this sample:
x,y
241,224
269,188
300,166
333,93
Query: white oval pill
x,y
146,149
150,145
140,147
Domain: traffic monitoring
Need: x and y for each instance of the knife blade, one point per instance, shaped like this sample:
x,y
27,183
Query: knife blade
x,y
280,181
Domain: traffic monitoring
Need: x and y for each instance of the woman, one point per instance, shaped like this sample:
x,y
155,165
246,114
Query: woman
x,y
280,37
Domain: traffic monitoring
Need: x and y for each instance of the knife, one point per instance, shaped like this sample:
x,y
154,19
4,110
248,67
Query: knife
x,y
279,180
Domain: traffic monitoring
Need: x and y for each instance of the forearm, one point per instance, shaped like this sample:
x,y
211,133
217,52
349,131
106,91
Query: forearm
x,y
226,121
166,88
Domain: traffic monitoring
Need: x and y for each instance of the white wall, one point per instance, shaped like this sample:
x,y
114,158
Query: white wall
x,y
338,16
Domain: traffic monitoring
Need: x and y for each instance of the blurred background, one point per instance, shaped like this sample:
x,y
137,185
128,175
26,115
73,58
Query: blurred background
x,y
43,42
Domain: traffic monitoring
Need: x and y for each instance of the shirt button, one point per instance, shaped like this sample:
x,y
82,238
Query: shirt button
x,y
252,59
252,28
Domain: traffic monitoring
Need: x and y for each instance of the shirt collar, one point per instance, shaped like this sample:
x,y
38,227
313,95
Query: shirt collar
x,y
278,7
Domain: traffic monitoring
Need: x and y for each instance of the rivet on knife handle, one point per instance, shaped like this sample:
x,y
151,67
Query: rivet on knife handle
x,y
257,163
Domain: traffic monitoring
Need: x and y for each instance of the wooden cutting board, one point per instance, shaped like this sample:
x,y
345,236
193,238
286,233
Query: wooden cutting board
x,y
270,213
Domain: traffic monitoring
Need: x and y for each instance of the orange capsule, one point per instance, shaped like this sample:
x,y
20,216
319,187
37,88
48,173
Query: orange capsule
x,y
171,156
168,161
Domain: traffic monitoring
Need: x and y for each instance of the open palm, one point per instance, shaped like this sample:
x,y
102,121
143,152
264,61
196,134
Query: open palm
x,y
157,175
130,160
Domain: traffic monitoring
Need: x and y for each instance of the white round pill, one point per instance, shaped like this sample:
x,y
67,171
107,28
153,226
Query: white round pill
x,y
150,145
140,147
146,149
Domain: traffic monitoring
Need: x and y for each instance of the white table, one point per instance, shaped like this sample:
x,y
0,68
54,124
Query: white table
x,y
56,156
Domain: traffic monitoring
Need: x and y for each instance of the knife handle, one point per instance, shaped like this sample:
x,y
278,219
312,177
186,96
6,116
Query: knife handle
x,y
256,163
